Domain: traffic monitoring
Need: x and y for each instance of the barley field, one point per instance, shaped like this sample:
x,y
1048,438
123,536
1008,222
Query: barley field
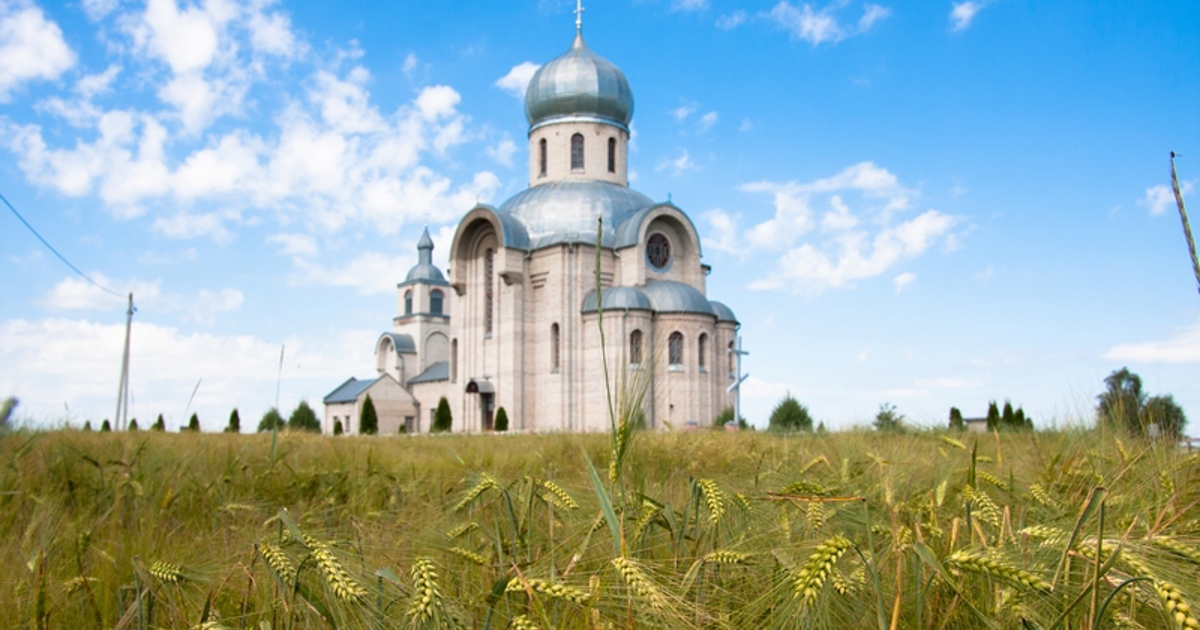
x,y
1071,530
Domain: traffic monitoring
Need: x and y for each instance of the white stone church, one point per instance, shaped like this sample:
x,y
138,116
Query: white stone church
x,y
513,321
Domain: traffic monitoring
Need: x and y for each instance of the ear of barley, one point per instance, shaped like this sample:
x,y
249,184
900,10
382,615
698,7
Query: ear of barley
x,y
633,576
74,584
714,498
1040,495
819,459
976,563
805,487
166,572
335,575
486,482
279,563
426,595
816,515
939,495
647,516
521,622
952,442
1166,483
811,577
1178,548
469,556
564,500
1045,532
982,505
992,479
727,557
462,530
556,591
1179,610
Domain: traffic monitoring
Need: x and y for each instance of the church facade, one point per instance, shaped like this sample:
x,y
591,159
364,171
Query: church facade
x,y
514,321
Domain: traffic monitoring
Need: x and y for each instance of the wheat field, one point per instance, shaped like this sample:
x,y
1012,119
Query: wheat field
x,y
1071,530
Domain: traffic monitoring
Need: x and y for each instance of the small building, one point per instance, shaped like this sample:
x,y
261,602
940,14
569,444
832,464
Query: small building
x,y
394,406
976,425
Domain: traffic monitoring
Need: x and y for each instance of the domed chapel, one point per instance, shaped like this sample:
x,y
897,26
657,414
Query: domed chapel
x,y
513,322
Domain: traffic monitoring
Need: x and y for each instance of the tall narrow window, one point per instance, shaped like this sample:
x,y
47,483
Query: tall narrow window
x,y
612,155
435,301
542,157
732,358
408,302
675,349
554,346
702,351
489,298
453,360
577,152
635,347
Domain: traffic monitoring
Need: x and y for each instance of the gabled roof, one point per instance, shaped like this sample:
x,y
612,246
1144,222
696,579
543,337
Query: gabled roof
x,y
439,371
349,391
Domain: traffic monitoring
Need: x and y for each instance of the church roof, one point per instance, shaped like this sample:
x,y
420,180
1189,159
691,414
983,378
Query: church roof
x,y
579,85
439,371
618,299
349,391
402,343
669,296
566,211
425,271
724,313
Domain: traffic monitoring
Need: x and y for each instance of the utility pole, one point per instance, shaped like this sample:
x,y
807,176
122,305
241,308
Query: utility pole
x,y
736,387
119,420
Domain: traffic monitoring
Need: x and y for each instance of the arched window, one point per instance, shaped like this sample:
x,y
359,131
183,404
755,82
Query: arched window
x,y
453,360
408,302
577,152
612,155
675,349
489,298
635,347
702,351
435,302
554,346
732,358
542,156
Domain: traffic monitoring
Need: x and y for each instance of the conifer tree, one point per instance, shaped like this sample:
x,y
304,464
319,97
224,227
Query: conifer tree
x,y
337,427
159,425
501,423
790,415
368,423
1008,419
194,423
105,427
441,418
993,415
87,425
303,418
956,420
235,422
133,425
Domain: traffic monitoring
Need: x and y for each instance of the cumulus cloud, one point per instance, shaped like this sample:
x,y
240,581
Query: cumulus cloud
x,y
369,273
825,242
706,122
723,235
502,151
1181,347
732,20
1158,199
31,47
517,79
679,164
689,5
963,13
76,294
818,26
903,281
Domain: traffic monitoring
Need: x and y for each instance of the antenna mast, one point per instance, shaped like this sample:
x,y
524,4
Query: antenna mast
x,y
119,420
578,16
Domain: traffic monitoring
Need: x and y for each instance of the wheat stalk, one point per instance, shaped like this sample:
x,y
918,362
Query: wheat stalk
x,y
811,577
561,499
462,529
279,562
166,572
727,557
985,507
976,563
486,482
335,575
426,594
469,556
637,581
1178,548
1178,609
557,591
713,498
521,622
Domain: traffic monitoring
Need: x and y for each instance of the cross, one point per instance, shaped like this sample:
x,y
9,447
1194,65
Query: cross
x,y
578,16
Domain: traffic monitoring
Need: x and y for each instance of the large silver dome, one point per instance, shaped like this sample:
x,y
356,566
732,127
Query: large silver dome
x,y
579,85
566,211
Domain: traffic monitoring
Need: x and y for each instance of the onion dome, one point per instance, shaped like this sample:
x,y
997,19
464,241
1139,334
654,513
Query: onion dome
x,y
566,211
617,299
579,85
424,270
669,296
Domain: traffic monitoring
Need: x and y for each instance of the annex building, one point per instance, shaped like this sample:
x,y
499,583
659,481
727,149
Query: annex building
x,y
513,321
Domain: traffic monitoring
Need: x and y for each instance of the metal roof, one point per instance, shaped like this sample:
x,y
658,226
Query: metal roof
x,y
402,343
724,313
425,271
579,85
349,391
566,211
669,296
628,231
618,299
439,371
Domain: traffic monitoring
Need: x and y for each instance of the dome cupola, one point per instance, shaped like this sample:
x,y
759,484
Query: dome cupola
x,y
579,85
425,271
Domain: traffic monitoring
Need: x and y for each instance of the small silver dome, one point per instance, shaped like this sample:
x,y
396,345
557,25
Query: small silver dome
x,y
566,211
618,299
724,313
579,85
669,296
425,271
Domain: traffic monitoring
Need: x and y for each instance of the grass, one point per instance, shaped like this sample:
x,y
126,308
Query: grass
x,y
700,530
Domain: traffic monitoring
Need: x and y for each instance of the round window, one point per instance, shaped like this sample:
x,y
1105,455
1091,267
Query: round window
x,y
658,251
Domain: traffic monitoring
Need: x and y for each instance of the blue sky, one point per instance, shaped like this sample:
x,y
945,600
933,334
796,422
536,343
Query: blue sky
x,y
923,204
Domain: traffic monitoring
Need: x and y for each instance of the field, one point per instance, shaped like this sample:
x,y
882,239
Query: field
x,y
1073,530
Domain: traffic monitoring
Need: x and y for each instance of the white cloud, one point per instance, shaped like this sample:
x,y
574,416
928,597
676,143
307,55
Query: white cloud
x,y
517,79
410,63
963,13
679,164
1182,347
732,20
93,84
682,112
1158,199
76,294
851,244
746,125
689,5
818,26
502,151
31,47
903,281
369,273
723,236
295,244
706,122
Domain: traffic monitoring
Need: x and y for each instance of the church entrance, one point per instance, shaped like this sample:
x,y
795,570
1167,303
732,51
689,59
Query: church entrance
x,y
487,405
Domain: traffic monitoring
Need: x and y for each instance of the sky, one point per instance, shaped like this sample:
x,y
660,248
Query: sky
x,y
926,205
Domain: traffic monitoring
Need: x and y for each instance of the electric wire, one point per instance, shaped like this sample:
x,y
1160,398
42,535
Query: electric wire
x,y
56,252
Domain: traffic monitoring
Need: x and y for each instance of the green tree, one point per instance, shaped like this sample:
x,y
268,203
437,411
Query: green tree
x,y
337,427
271,421
368,420
790,415
303,418
956,420
133,425
888,419
194,423
1164,412
993,415
159,425
821,428
235,422
105,427
501,423
87,425
1023,423
726,416
1120,406
441,418
1008,418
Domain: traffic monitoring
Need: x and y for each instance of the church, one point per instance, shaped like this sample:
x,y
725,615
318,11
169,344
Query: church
x,y
514,321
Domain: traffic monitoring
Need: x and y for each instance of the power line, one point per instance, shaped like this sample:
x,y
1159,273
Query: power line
x,y
55,251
